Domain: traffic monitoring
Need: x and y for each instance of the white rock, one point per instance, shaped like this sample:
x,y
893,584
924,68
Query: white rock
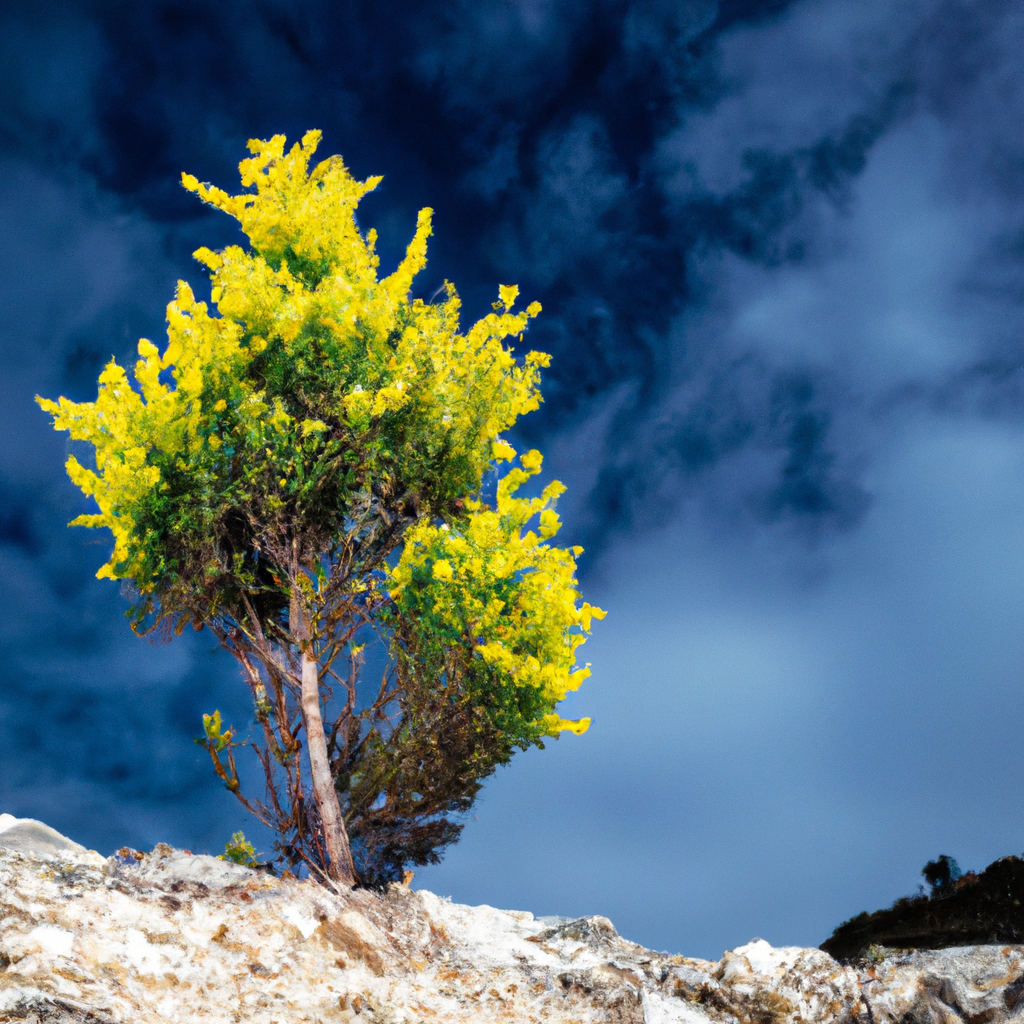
x,y
173,937
165,866
31,836
53,941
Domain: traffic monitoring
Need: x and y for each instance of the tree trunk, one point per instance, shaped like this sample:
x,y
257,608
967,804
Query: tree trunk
x,y
341,868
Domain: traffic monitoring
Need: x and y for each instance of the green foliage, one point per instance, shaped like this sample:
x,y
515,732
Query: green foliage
x,y
214,733
301,472
240,850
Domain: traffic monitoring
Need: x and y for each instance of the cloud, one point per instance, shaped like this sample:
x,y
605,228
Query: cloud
x,y
775,749
840,240
600,155
89,715
764,234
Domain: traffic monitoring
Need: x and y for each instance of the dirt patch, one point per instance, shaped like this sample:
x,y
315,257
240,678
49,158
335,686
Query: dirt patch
x,y
348,941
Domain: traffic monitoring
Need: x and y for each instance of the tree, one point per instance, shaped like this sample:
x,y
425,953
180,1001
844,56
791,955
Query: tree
x,y
941,874
304,474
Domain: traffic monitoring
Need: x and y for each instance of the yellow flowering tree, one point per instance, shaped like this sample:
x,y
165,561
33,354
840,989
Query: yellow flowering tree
x,y
302,472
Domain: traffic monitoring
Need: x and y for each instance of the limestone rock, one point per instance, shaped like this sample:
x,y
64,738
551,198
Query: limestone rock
x,y
31,836
172,937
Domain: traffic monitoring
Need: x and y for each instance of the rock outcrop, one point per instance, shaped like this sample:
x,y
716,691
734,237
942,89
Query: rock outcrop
x,y
168,936
986,908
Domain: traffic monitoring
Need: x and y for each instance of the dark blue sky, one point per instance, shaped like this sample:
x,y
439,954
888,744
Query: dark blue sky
x,y
780,249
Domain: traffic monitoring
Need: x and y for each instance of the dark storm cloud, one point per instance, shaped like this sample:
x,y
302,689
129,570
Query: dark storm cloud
x,y
83,278
16,526
537,130
760,231
972,82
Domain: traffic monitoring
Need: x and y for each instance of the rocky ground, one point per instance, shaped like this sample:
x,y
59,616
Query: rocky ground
x,y
168,936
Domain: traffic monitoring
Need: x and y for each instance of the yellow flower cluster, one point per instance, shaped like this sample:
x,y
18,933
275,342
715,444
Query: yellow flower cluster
x,y
309,291
312,378
126,426
266,465
406,353
515,595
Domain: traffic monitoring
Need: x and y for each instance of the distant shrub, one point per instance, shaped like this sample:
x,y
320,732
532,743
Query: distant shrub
x,y
241,851
941,874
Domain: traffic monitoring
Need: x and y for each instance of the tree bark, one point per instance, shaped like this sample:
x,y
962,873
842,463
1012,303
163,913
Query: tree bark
x,y
340,869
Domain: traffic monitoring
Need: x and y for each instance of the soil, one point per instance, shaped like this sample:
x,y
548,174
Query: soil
x,y
975,910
